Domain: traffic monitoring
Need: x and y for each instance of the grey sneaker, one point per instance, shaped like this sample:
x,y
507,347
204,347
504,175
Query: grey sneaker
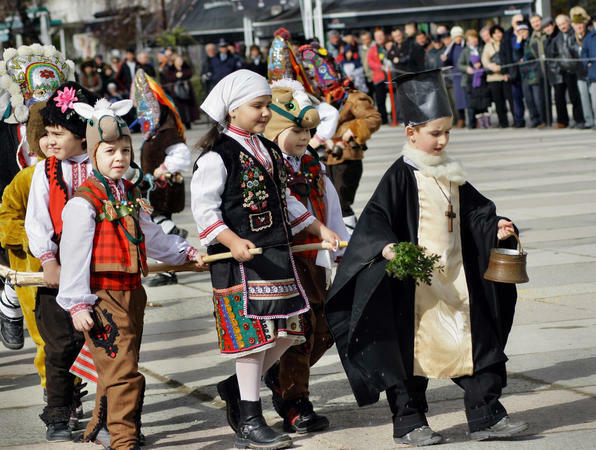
x,y
504,428
103,437
420,437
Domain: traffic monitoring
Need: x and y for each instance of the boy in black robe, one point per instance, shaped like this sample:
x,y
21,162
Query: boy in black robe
x,y
392,335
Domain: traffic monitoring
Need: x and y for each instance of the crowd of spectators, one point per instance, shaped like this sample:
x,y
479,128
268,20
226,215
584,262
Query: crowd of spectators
x,y
517,70
114,80
520,71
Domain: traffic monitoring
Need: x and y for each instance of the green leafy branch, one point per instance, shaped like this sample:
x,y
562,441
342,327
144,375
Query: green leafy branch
x,y
412,260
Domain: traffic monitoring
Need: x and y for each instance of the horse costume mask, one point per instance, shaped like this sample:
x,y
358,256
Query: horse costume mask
x,y
291,107
104,123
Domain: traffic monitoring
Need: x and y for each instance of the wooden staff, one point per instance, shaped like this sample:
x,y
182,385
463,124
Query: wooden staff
x,y
36,278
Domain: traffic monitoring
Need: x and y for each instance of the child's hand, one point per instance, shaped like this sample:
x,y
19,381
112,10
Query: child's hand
x,y
239,248
199,260
388,252
82,321
51,274
159,172
331,237
505,229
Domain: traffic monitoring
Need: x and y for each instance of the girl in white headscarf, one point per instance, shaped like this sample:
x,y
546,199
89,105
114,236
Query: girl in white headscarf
x,y
240,201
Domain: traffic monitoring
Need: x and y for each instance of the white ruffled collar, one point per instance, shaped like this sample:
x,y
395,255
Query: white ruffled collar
x,y
441,166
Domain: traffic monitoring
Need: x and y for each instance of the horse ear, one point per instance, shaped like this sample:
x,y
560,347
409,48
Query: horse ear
x,y
282,95
83,110
121,107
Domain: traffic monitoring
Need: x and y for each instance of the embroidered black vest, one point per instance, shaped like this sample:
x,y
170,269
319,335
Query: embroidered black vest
x,y
253,201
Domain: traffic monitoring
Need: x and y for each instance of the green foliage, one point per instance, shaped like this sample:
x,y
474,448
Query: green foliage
x,y
175,37
412,260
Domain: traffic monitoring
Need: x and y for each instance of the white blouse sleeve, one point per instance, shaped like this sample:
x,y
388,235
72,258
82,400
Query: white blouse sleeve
x,y
168,248
329,120
334,216
206,188
38,224
177,158
300,218
76,247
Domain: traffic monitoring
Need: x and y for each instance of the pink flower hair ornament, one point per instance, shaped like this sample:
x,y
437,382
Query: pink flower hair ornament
x,y
65,99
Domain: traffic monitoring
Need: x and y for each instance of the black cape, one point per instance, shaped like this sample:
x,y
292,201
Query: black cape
x,y
371,315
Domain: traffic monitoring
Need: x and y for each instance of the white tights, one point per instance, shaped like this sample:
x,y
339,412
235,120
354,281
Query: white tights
x,y
250,368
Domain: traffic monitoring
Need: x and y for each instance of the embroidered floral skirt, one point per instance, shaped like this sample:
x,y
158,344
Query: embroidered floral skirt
x,y
257,302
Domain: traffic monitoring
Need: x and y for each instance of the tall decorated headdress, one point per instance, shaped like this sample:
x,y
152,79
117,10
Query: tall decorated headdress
x,y
149,98
31,74
324,74
282,64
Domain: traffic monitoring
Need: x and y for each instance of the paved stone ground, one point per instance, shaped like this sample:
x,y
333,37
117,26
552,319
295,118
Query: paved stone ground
x,y
542,179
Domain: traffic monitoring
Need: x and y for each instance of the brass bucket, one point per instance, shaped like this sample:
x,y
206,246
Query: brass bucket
x,y
506,265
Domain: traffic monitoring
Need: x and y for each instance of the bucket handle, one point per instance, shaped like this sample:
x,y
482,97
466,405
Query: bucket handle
x,y
519,245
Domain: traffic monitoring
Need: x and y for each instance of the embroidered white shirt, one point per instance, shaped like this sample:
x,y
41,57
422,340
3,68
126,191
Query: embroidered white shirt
x,y
38,224
208,183
333,207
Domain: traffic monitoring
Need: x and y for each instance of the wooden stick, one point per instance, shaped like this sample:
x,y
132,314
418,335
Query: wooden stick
x,y
36,278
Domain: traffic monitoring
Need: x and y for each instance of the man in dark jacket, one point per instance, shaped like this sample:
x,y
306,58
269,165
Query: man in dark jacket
x,y
563,48
508,57
553,71
126,72
224,63
418,52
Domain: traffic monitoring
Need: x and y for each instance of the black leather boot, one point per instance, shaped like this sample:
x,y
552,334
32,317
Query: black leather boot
x,y
300,417
11,332
229,392
253,431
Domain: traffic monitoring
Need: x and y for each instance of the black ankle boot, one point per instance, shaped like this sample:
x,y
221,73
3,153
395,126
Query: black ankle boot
x,y
11,332
253,431
229,392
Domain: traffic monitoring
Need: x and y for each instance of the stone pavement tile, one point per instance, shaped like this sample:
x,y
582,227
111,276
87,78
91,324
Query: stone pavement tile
x,y
570,234
523,182
554,275
517,200
545,212
540,257
537,338
572,369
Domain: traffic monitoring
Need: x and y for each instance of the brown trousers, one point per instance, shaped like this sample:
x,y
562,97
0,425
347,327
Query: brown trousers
x,y
295,363
114,343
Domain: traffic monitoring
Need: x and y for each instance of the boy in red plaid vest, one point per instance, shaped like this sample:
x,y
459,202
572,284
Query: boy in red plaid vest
x,y
54,181
108,236
289,380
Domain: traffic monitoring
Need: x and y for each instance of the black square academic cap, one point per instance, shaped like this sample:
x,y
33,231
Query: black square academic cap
x,y
422,97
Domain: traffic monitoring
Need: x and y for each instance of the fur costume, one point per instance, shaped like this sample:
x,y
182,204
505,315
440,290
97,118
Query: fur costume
x,y
360,116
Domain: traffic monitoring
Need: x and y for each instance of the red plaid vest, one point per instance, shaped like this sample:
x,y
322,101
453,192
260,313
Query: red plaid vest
x,y
116,263
308,184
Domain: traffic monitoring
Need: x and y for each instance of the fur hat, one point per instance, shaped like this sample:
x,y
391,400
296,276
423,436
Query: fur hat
x,y
456,31
31,74
104,123
578,15
59,109
35,128
291,107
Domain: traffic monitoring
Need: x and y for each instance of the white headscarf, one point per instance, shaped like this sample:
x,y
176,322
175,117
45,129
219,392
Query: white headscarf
x,y
232,91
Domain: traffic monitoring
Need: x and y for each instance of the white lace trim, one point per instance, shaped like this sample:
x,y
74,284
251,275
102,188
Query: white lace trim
x,y
440,166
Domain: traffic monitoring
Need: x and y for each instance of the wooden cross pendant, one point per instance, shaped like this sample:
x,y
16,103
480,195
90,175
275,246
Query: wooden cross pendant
x,y
451,215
